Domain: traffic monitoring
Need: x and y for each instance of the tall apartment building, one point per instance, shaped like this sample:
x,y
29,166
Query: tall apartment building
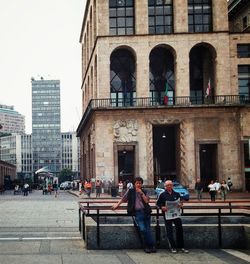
x,y
46,124
162,92
11,120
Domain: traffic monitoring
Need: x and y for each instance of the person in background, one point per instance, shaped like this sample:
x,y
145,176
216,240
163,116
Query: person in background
x,y
212,190
199,189
229,184
98,186
172,216
217,187
55,188
25,189
120,188
137,202
88,187
223,190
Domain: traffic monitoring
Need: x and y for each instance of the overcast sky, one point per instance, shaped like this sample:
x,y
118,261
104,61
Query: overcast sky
x,y
41,38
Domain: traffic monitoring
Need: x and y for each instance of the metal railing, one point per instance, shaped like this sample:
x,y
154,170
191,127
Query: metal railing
x,y
102,208
150,102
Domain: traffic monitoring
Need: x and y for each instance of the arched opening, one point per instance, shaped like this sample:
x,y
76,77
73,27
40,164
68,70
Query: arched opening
x,y
122,77
161,78
202,73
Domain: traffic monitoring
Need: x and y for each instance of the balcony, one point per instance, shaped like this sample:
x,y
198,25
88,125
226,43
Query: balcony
x,y
158,103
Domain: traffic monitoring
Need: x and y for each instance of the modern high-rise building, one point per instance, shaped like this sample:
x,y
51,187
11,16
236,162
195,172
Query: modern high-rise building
x,y
46,125
165,91
11,120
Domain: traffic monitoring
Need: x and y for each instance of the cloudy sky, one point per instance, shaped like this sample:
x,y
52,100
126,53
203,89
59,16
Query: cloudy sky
x,y
41,38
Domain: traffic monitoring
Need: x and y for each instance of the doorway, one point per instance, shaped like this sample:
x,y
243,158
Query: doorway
x,y
126,164
208,163
164,152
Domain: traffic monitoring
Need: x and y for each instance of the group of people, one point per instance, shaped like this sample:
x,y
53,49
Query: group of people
x,y
215,188
25,189
87,187
168,201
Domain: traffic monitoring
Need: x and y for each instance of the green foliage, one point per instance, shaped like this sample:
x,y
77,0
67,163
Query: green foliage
x,y
65,175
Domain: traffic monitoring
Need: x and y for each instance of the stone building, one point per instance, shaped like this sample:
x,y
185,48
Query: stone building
x,y
162,95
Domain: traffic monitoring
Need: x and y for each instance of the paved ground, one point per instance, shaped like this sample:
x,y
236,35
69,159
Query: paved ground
x,y
44,229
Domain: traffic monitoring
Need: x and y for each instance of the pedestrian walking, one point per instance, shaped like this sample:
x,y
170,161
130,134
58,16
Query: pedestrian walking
x,y
98,186
229,184
212,190
55,188
223,190
199,189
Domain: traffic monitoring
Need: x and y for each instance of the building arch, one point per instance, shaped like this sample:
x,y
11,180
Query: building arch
x,y
122,76
202,70
162,74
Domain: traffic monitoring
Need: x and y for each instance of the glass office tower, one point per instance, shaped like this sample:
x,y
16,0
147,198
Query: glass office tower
x,y
46,125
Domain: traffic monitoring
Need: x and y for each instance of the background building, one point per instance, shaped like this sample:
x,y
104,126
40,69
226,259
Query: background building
x,y
11,120
46,125
71,153
165,92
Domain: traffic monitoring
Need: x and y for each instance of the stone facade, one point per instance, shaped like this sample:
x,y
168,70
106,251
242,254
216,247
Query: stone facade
x,y
106,130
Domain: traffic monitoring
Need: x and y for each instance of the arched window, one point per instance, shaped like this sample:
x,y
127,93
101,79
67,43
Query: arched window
x,y
122,77
199,16
201,69
161,77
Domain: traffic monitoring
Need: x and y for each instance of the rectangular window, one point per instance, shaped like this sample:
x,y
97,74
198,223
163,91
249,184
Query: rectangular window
x,y
121,17
243,50
160,16
244,80
199,16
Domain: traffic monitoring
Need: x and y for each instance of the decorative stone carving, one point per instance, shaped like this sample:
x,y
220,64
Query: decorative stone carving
x,y
125,130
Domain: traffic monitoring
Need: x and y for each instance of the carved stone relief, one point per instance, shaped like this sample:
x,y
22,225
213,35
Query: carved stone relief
x,y
125,130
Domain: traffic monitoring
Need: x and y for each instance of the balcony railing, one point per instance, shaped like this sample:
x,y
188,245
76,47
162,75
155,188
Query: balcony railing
x,y
149,102
180,101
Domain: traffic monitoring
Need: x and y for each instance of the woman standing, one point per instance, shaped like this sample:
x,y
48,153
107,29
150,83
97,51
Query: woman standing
x,y
212,190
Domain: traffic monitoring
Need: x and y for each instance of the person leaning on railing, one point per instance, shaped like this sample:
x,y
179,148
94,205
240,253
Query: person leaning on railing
x,y
138,207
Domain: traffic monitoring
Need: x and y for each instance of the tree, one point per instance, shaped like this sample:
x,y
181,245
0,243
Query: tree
x,y
65,175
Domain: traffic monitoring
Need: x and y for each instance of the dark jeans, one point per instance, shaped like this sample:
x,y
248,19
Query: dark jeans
x,y
143,222
212,195
179,232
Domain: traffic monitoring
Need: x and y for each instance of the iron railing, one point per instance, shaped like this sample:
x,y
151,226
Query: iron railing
x,y
150,102
102,208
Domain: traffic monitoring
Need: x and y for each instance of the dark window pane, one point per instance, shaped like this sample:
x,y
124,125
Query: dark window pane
x,y
112,22
160,29
243,50
121,31
159,20
151,21
129,22
120,12
112,12
159,10
112,3
121,22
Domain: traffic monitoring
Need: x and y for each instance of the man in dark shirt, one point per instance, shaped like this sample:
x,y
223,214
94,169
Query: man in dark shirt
x,y
137,199
170,203
199,189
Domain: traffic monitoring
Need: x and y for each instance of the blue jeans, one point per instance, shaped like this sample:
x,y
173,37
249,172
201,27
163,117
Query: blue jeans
x,y
143,222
